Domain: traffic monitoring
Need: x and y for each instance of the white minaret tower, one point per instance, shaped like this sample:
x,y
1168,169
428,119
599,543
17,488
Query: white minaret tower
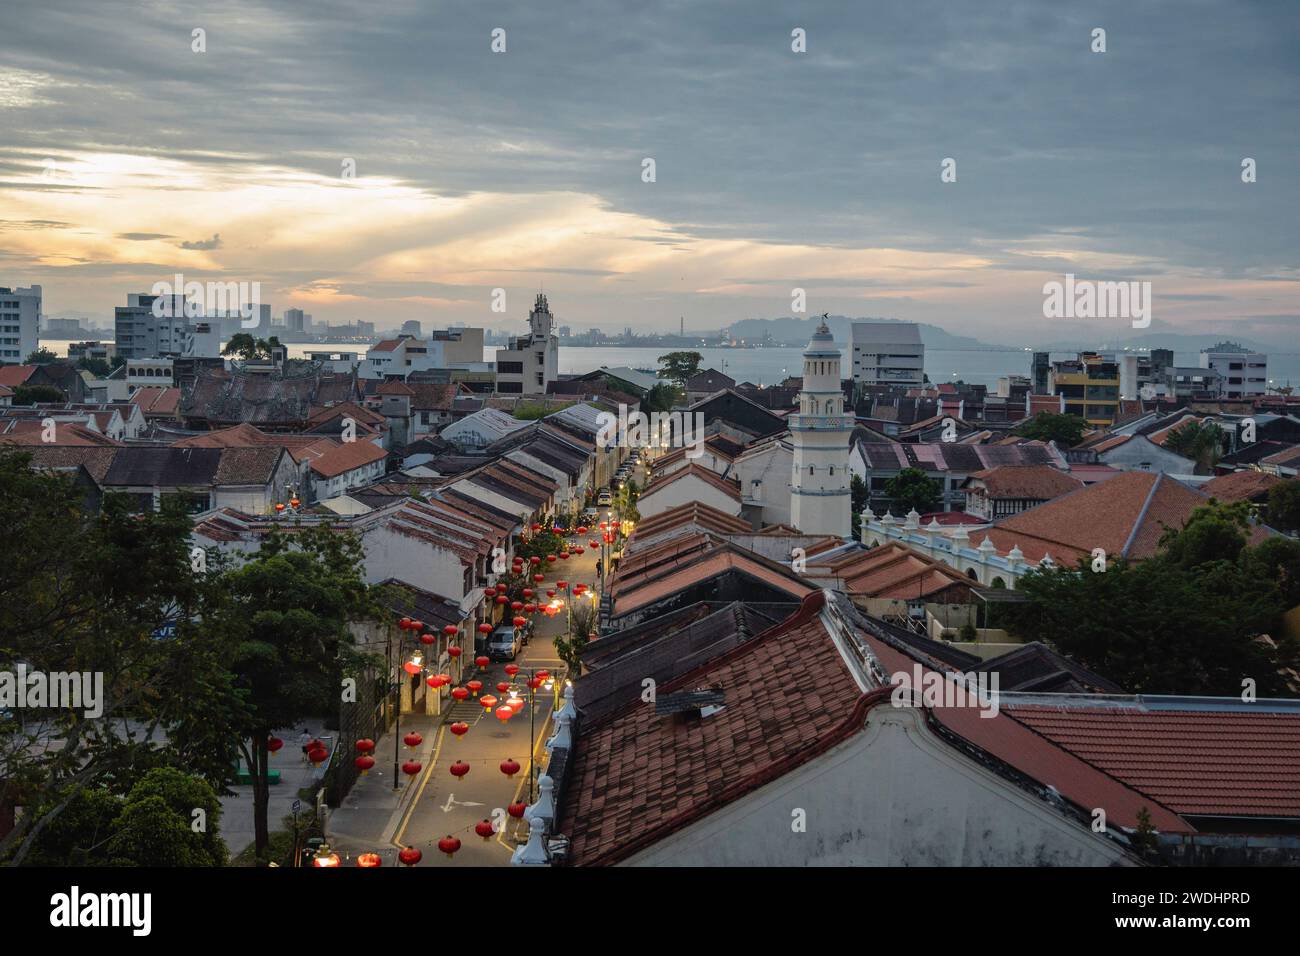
x,y
819,487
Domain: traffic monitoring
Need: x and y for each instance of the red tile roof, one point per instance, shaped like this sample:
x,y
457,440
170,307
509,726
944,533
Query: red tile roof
x,y
728,487
15,375
1241,486
1196,762
345,456
1026,481
31,431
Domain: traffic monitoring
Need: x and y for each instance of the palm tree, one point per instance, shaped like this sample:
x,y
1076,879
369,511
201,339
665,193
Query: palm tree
x,y
1201,441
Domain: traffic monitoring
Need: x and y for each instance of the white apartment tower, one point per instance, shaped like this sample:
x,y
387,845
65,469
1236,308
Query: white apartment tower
x,y
888,353
20,323
819,434
530,363
1243,374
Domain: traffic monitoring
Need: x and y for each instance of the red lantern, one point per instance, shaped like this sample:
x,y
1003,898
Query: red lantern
x,y
318,756
417,625
534,682
604,525
502,686
539,578
459,768
273,744
534,560
460,728
434,681
528,592
474,686
502,599
411,668
516,810
489,591
537,527
520,621
485,628
530,608
509,767
413,739
412,767
504,713
404,623
365,745
279,507
449,845
449,629
564,556
427,639
550,592
516,605
562,585
550,559
410,855
488,701
579,550
482,662
460,693
511,670
364,763
484,829
454,651
594,543
368,860
543,673
582,529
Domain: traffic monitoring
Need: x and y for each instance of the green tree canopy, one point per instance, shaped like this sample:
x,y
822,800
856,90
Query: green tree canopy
x,y
1051,426
1283,509
41,356
1202,442
677,367
911,490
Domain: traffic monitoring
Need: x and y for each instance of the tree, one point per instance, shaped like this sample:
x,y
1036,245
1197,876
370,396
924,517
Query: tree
x,y
677,367
859,496
1051,426
583,622
1283,509
284,631
661,398
95,366
36,394
42,356
1203,442
243,345
169,819
541,544
86,593
911,490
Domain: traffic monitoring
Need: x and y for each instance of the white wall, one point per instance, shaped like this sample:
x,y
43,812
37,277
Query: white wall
x,y
685,491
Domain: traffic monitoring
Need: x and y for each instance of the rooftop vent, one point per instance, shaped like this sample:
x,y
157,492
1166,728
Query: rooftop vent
x,y
704,702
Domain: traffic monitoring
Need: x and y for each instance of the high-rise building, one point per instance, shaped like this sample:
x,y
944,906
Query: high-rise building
x,y
1242,373
1090,385
888,353
819,436
528,364
412,328
293,320
20,323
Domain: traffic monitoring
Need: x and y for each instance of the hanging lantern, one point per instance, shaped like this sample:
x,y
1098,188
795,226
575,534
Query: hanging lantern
x,y
564,556
273,744
534,560
368,860
404,623
489,591
482,662
325,857
594,543
427,639
502,599
460,728
537,527
488,701
294,502
579,550
412,739
543,673
484,829
365,745
459,768
604,525
454,651
365,763
504,713
279,508
528,592
534,682
530,608
515,703
511,670
520,621
509,767
460,693
516,605
485,628
412,767
449,845
539,578
410,855
582,529
550,592
434,681
550,559
502,686
417,625
318,756
450,630
411,668
516,810
474,686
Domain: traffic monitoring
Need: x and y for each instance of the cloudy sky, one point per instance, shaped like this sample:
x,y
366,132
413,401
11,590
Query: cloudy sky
x,y
126,157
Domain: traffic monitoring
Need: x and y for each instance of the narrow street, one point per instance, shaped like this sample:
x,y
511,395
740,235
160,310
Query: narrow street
x,y
442,804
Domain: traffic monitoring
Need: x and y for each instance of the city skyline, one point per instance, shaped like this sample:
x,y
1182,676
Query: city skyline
x,y
133,157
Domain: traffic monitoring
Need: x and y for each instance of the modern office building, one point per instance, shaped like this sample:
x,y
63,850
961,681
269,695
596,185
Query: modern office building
x,y
529,363
1243,374
293,320
20,323
399,357
140,334
888,353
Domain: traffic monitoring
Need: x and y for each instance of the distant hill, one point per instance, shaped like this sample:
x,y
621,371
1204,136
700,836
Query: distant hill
x,y
797,331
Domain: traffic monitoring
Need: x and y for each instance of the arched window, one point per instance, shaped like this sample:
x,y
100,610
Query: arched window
x,y
811,469
832,469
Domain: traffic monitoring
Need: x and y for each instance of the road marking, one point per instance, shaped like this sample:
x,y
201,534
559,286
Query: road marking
x,y
453,802
428,773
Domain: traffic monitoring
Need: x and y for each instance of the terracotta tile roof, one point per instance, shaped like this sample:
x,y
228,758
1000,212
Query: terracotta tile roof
x,y
1287,459
345,456
1125,515
15,375
157,400
637,777
692,514
1106,444
896,571
728,487
245,435
1241,486
29,431
633,593
394,388
360,414
1026,481
96,459
1238,763
387,345
433,397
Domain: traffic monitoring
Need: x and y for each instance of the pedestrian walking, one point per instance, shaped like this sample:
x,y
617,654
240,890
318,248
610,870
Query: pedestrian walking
x,y
304,739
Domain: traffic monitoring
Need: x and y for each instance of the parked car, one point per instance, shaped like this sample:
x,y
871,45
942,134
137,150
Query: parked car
x,y
606,497
505,642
